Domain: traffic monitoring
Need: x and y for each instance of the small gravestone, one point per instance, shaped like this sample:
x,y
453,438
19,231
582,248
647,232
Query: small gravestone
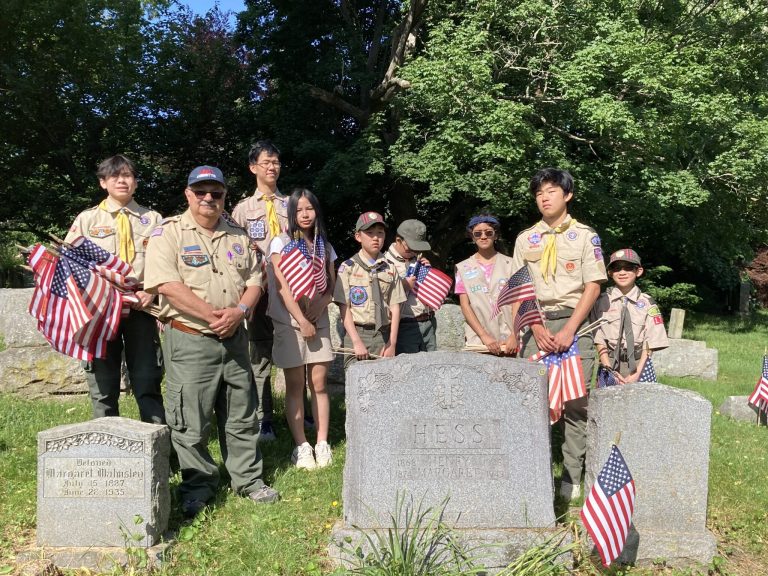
x,y
676,321
103,483
737,408
665,437
686,359
470,427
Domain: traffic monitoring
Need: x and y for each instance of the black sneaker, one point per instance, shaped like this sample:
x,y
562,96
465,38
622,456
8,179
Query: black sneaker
x,y
265,495
266,432
309,422
191,508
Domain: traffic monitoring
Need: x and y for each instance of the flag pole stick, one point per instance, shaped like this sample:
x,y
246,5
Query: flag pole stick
x,y
617,438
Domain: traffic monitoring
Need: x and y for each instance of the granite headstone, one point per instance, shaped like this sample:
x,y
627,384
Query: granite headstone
x,y
665,437
738,408
470,427
686,359
103,483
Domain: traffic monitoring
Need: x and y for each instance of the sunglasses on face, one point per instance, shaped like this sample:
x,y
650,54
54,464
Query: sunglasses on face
x,y
623,268
215,194
484,233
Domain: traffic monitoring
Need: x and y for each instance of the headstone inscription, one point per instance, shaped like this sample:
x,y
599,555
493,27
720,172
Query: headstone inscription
x,y
665,436
103,483
470,427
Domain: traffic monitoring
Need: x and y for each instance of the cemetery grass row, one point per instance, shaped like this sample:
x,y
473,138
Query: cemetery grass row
x,y
290,538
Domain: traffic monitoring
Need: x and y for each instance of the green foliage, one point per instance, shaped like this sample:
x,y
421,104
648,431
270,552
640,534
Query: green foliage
x,y
678,295
418,543
545,559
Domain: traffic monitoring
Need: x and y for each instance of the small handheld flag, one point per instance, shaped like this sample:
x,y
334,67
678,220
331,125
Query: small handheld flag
x,y
759,396
432,286
518,287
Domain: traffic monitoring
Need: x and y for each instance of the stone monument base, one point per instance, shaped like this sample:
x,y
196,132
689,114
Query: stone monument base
x,y
493,548
38,560
677,550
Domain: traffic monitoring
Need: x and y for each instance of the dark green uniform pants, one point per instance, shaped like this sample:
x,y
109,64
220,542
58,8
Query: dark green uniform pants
x,y
261,336
414,336
138,336
575,411
374,341
205,376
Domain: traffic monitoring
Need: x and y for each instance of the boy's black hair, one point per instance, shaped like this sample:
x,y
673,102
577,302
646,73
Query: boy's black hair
x,y
115,165
262,146
555,176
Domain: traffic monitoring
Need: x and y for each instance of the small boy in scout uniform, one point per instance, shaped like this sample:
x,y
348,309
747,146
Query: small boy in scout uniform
x,y
565,260
418,327
264,215
122,227
369,294
634,325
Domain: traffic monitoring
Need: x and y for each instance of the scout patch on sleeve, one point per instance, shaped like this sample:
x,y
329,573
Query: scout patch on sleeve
x,y
596,240
658,319
157,231
101,231
195,260
598,254
654,311
358,295
257,229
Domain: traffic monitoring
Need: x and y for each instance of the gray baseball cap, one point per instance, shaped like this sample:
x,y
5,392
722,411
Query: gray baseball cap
x,y
414,233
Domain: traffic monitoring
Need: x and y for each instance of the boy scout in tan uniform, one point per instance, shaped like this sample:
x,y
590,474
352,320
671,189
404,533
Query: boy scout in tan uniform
x,y
565,261
208,281
264,215
369,294
122,227
633,322
418,326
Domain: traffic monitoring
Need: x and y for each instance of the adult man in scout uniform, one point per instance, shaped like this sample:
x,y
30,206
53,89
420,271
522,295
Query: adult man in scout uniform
x,y
122,227
418,326
264,216
369,294
209,282
633,325
565,261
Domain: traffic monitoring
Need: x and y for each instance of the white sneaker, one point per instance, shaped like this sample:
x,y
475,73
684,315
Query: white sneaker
x,y
323,454
303,457
570,491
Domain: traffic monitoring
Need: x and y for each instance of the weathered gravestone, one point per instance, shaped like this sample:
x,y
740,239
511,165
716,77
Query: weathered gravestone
x,y
457,424
737,408
103,483
665,436
686,359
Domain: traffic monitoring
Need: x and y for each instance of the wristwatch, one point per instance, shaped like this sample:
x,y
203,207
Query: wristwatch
x,y
244,309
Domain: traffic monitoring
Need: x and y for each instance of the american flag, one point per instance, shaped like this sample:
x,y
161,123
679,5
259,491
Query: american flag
x,y
432,286
648,373
607,510
318,266
527,315
606,377
759,397
518,287
565,376
298,271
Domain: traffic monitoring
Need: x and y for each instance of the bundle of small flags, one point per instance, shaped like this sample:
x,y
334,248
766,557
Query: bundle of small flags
x,y
608,508
304,271
81,293
565,377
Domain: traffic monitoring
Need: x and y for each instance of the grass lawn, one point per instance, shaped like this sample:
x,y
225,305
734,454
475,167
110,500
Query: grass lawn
x,y
239,538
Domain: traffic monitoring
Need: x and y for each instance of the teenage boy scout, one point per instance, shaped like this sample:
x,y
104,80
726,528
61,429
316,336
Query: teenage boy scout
x,y
565,260
208,281
122,227
418,326
263,215
369,294
633,322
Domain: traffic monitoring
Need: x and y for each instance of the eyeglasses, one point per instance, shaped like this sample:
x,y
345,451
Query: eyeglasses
x,y
215,194
266,164
623,268
484,233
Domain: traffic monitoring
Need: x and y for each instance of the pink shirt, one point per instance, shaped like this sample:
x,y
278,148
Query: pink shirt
x,y
487,272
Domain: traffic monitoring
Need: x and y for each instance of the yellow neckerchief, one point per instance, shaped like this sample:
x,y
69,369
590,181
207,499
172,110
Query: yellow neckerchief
x,y
125,237
272,221
549,255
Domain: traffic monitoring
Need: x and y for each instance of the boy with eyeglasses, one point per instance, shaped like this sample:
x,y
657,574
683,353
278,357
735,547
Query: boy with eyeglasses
x,y
634,324
264,215
565,261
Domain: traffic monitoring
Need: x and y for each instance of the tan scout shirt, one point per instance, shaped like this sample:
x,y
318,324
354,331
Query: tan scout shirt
x,y
100,227
353,288
579,260
217,269
647,321
483,294
411,307
251,214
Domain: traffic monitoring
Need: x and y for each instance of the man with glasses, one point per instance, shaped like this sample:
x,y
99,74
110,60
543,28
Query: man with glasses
x,y
208,283
263,215
418,326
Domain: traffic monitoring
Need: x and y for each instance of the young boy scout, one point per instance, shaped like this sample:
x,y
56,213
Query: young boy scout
x,y
264,216
122,227
634,324
418,327
565,261
369,293
209,282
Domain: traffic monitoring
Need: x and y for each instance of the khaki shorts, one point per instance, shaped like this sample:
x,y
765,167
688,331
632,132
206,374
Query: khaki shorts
x,y
290,349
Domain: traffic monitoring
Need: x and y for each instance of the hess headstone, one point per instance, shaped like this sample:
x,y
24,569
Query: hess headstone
x,y
470,427
665,437
103,483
